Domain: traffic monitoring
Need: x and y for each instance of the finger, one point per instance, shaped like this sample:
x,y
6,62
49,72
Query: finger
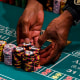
x,y
56,58
25,32
18,40
46,54
36,41
20,45
44,61
49,58
19,31
27,40
42,39
47,48
31,40
21,41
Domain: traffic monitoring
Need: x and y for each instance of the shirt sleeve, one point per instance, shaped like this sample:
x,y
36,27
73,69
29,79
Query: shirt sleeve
x,y
73,8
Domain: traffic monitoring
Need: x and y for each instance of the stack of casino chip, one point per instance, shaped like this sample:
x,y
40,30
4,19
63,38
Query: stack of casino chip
x,y
7,52
17,56
28,61
31,58
36,55
56,8
2,44
49,5
26,57
62,5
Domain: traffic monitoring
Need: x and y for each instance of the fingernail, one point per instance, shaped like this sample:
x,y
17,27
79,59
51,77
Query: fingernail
x,y
53,45
27,40
37,45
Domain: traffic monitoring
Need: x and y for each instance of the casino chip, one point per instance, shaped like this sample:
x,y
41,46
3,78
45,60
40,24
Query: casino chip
x,y
17,56
36,55
7,52
2,44
28,61
25,45
26,57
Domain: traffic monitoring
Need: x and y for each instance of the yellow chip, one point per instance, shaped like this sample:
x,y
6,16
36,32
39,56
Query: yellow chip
x,y
68,42
58,74
55,77
2,44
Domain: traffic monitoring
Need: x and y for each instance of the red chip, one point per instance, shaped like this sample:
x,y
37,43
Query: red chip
x,y
48,70
44,73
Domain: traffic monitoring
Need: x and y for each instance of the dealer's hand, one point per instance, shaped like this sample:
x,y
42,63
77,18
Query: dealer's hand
x,y
30,23
57,31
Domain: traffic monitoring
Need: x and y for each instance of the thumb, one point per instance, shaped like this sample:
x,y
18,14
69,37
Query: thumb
x,y
42,39
25,32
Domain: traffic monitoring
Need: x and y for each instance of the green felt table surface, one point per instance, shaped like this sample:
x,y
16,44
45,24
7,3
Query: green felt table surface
x,y
66,68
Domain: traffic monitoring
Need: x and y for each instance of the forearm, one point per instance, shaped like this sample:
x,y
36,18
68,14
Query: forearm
x,y
66,17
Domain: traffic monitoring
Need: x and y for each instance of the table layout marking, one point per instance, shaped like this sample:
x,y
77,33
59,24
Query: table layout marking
x,y
44,46
64,74
43,75
51,74
3,37
65,53
60,61
7,38
42,69
13,41
56,71
62,77
6,77
8,31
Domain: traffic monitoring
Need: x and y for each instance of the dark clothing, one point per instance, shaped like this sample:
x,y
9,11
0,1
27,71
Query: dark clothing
x,y
70,6
73,9
43,2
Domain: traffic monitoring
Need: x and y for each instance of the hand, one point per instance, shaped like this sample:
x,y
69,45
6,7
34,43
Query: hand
x,y
57,31
30,23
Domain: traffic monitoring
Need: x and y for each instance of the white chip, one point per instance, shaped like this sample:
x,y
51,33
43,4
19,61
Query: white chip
x,y
26,44
2,42
10,46
28,52
33,47
31,53
19,48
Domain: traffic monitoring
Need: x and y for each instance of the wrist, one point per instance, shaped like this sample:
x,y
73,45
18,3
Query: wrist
x,y
67,15
34,4
66,18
